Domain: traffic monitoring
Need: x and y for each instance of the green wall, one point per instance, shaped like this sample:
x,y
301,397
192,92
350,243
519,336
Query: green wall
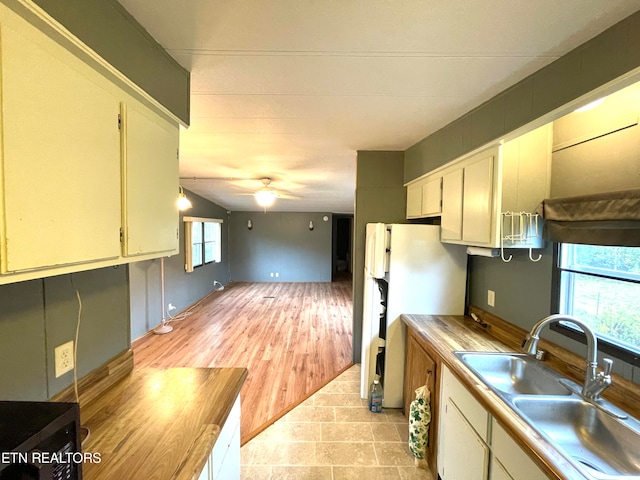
x,y
380,197
280,242
106,27
39,315
523,288
181,288
594,63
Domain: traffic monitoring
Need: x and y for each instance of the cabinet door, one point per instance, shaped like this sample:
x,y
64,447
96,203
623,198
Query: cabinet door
x,y
477,209
432,197
60,155
150,182
452,191
225,457
414,200
420,369
465,456
511,457
498,472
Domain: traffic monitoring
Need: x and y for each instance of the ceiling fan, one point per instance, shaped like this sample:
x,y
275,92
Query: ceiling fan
x,y
265,196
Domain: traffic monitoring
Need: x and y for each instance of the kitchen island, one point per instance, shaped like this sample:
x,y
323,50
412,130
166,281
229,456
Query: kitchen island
x,y
161,424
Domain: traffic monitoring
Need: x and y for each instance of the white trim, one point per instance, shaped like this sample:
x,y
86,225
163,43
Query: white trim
x,y
202,219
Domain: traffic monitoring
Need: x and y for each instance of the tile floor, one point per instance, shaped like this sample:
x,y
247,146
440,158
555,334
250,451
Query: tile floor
x,y
333,436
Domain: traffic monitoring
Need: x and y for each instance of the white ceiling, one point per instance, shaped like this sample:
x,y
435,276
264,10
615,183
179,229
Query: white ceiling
x,y
291,89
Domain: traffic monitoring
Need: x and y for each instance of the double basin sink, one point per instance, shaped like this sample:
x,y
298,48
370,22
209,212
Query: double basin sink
x,y
599,439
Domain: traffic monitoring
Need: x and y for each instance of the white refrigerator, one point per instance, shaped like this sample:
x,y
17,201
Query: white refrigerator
x,y
407,270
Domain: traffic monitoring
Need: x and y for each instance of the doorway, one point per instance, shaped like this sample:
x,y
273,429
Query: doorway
x,y
342,250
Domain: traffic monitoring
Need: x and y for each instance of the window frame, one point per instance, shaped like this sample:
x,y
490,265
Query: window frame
x,y
605,345
188,239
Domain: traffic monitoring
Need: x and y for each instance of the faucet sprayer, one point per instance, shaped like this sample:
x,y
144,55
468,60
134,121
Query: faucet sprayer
x,y
594,383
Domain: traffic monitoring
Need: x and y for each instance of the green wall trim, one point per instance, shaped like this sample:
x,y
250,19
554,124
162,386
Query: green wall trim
x,y
112,32
380,197
602,59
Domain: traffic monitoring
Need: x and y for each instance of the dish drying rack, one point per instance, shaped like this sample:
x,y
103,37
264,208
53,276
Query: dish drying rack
x,y
520,230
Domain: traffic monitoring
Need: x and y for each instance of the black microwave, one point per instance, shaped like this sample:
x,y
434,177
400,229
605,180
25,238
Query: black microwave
x,y
40,441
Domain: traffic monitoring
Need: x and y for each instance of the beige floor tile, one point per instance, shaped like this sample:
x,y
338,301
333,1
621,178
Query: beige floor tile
x,y
333,436
395,415
290,431
346,432
359,414
393,453
403,431
246,453
301,473
413,473
341,387
385,432
365,473
309,402
255,472
284,453
336,453
351,375
337,399
311,414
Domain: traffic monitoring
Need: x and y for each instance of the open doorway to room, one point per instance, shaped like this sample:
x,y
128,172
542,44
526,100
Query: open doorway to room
x,y
342,253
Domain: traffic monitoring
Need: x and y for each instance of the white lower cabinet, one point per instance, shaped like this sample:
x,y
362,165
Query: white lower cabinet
x,y
472,445
463,433
461,438
508,459
224,461
498,472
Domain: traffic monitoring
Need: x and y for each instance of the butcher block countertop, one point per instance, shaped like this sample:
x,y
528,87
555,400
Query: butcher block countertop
x,y
159,424
449,333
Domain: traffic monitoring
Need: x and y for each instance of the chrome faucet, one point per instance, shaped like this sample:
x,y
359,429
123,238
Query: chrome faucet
x,y
594,382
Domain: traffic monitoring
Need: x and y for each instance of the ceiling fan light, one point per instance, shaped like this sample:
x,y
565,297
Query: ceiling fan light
x,y
265,198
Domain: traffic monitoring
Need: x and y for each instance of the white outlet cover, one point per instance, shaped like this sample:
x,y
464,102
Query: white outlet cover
x,y
64,358
491,298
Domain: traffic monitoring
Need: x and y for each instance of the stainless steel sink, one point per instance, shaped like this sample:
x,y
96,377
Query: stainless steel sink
x,y
598,438
513,374
599,444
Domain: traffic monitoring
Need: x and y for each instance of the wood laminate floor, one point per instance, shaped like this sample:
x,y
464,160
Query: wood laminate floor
x,y
294,338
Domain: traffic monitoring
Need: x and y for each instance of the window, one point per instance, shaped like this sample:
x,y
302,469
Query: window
x,y
202,241
601,286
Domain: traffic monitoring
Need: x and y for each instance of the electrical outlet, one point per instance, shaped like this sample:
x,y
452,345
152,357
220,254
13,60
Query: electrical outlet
x,y
64,358
277,274
271,274
491,298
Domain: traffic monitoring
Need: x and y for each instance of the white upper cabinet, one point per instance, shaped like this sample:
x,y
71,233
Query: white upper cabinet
x,y
490,197
477,205
150,183
452,193
79,188
414,200
60,155
424,197
432,197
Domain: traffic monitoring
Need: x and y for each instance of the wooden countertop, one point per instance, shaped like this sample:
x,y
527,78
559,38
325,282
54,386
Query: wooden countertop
x,y
449,333
159,424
